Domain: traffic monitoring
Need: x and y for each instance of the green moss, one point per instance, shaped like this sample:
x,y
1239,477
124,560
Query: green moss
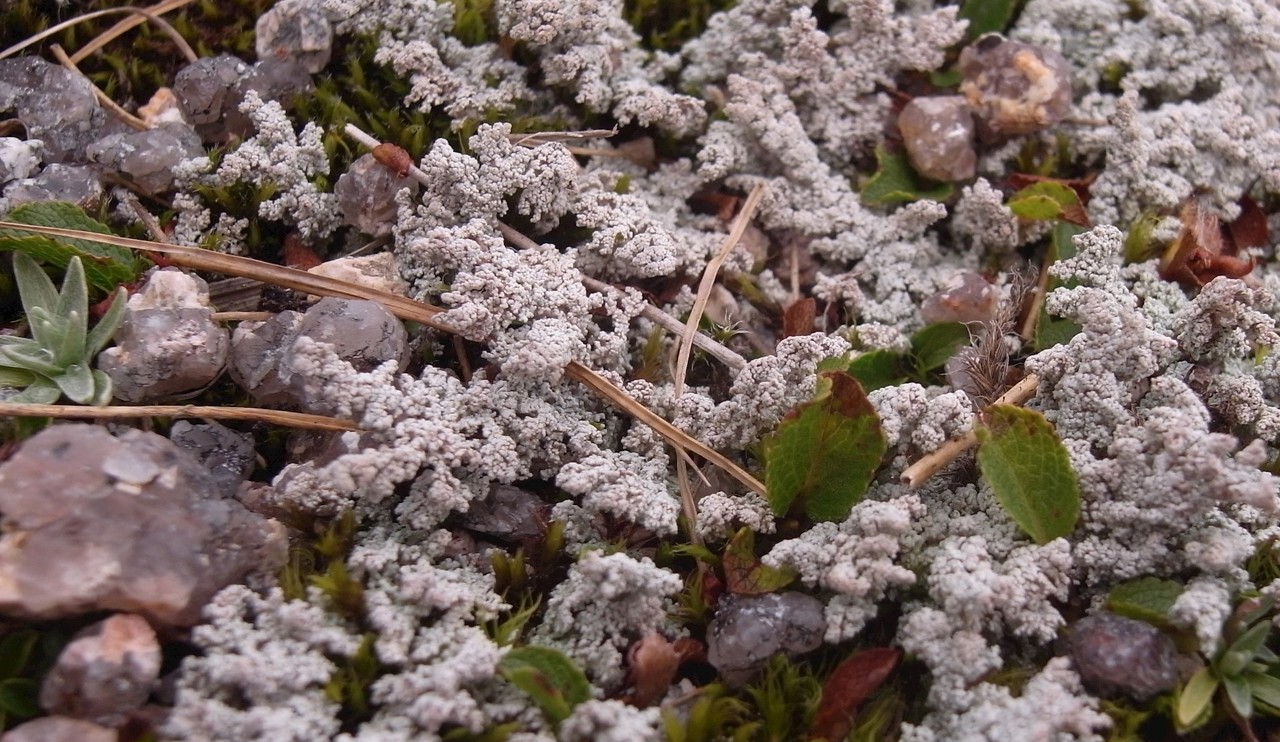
x,y
474,22
667,24
784,698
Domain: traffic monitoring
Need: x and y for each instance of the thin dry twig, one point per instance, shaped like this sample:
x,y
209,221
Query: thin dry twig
x,y
649,311
538,138
685,347
674,435
254,414
932,463
139,15
242,316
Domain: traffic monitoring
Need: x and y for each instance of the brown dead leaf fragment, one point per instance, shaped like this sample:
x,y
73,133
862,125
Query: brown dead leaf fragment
x,y
298,254
651,667
744,574
1201,253
798,317
1250,229
852,682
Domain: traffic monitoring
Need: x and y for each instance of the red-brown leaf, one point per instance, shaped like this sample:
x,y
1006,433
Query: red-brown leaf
x,y
744,574
1250,228
798,317
652,664
853,681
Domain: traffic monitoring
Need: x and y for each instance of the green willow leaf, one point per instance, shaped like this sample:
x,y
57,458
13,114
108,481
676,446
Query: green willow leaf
x,y
1145,599
106,266
1195,697
549,678
1030,474
895,182
1049,200
825,451
877,369
933,345
986,16
745,574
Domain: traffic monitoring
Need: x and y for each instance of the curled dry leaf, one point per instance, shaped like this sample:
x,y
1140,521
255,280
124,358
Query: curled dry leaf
x,y
852,682
652,665
298,254
1200,253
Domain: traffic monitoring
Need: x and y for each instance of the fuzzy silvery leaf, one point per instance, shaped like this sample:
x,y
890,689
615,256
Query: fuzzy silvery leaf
x,y
41,391
35,288
71,348
101,333
15,378
76,382
31,357
101,389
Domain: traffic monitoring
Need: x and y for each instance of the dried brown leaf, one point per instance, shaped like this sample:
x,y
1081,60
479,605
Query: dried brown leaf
x,y
852,682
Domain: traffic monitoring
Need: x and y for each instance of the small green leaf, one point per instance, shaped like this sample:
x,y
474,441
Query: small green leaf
x,y
76,382
986,16
1030,474
548,677
1239,694
31,357
1049,200
1238,656
1145,599
933,345
106,266
15,378
1266,689
1050,330
1138,243
41,391
895,182
1195,697
35,287
101,333
825,451
877,369
101,389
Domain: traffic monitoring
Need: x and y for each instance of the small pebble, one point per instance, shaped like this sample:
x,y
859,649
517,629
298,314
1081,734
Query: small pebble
x,y
749,629
1122,656
1015,88
105,673
938,133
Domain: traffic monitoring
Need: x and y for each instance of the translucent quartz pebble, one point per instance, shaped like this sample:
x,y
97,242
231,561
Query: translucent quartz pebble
x,y
18,158
105,673
206,92
147,157
367,195
79,539
228,455
1015,88
55,105
168,343
966,297
79,184
296,31
1122,656
938,133
272,79
749,629
362,333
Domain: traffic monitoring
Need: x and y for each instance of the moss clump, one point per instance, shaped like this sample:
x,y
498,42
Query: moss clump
x,y
667,24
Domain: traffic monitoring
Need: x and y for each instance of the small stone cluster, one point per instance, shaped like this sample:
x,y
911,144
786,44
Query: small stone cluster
x,y
1009,88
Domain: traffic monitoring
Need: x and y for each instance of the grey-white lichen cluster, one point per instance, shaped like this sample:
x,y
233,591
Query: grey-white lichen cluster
x,y
1135,396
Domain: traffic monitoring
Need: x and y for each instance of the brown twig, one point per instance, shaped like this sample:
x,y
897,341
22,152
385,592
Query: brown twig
x,y
253,414
928,465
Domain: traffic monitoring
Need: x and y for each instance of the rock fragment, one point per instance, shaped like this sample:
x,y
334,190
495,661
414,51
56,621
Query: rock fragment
x,y
133,523
56,105
749,629
1014,88
147,157
295,31
59,729
361,332
229,456
105,673
1122,656
367,195
168,343
938,133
